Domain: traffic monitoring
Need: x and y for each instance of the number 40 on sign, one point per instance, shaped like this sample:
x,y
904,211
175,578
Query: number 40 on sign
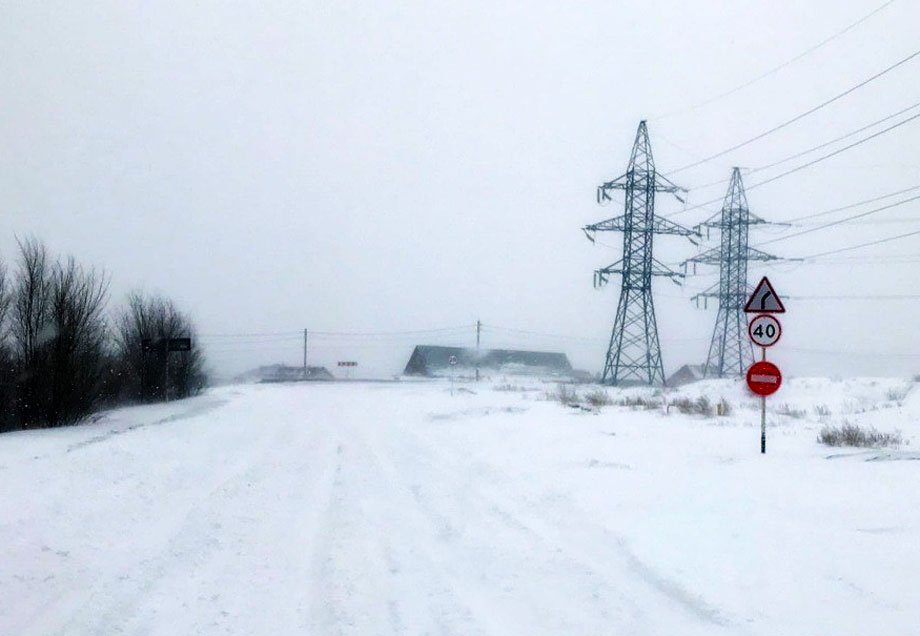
x,y
764,330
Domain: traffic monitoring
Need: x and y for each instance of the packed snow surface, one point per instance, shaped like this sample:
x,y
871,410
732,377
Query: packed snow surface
x,y
482,508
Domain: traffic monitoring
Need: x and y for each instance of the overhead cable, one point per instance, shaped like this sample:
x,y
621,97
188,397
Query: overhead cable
x,y
861,245
776,68
798,117
837,222
805,165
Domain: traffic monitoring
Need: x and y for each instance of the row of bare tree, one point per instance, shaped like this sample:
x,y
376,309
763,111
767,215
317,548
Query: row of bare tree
x,y
62,356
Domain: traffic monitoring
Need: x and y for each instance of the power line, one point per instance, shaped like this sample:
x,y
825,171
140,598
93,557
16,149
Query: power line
x,y
838,221
282,335
872,260
835,140
861,245
248,335
776,68
847,352
808,164
544,334
838,151
852,205
798,117
374,334
750,171
867,297
583,339
874,222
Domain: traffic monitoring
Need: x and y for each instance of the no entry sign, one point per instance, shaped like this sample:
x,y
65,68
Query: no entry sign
x,y
764,378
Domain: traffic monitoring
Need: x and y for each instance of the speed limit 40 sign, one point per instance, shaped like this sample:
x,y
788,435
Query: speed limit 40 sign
x,y
764,330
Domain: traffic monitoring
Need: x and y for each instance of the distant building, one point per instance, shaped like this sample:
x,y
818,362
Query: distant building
x,y
285,373
687,374
431,360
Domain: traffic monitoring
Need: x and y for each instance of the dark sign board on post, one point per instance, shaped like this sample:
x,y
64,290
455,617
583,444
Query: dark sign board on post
x,y
149,345
162,345
180,344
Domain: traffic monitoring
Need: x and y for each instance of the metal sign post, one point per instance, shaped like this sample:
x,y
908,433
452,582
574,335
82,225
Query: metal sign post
x,y
349,365
452,361
764,378
165,346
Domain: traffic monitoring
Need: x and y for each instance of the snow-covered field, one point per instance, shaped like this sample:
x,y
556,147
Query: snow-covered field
x,y
364,508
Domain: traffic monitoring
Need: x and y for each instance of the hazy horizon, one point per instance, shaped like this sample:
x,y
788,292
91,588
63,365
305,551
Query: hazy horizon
x,y
357,168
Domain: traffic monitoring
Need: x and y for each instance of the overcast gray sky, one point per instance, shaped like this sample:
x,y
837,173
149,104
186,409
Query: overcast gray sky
x,y
395,166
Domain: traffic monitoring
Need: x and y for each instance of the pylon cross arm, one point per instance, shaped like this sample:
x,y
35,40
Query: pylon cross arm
x,y
757,255
660,269
664,226
616,224
708,257
663,184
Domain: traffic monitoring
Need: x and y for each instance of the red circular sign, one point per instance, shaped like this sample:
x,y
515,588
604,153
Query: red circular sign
x,y
764,378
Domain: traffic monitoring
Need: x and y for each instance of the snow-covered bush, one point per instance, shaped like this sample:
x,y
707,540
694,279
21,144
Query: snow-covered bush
x,y
598,398
700,406
788,411
852,435
639,402
564,394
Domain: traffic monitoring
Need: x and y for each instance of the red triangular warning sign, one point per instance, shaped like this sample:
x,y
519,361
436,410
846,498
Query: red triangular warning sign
x,y
764,300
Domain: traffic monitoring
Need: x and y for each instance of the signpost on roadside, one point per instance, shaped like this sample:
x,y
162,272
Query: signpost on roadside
x,y
764,378
349,365
452,361
165,346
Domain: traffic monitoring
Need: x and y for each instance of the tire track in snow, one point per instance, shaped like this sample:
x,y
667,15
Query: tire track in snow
x,y
364,573
471,561
211,530
558,535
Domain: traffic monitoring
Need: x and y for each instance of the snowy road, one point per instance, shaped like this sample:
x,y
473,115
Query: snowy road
x,y
399,509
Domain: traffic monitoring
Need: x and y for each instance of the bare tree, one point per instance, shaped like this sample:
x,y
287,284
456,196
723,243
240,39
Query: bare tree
x,y
155,371
76,309
7,372
30,330
58,338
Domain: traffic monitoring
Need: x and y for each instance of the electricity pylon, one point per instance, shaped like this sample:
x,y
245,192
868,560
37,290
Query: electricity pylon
x,y
730,351
634,353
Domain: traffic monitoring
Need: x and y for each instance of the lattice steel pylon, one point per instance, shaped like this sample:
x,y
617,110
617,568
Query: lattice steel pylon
x,y
634,354
730,350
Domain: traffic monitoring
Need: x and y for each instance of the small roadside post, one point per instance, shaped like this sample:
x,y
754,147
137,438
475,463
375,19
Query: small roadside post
x,y
349,365
764,378
165,346
452,361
